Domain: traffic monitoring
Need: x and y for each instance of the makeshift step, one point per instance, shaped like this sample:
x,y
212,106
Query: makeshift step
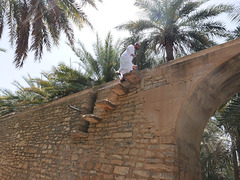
x,y
105,104
91,118
119,89
78,134
132,76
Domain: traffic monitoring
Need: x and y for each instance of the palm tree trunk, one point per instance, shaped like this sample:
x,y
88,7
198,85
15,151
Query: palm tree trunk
x,y
169,49
235,164
238,142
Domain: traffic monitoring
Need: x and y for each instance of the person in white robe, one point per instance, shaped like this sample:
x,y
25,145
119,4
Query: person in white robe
x,y
126,58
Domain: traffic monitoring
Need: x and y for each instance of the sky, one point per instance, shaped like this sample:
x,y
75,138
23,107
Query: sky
x,y
110,14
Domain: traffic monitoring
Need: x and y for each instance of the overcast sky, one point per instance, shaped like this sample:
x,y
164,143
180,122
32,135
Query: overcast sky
x,y
110,14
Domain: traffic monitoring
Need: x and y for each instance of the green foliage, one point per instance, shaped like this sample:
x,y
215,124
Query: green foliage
x,y
234,34
63,81
235,17
215,154
100,64
42,21
176,28
60,82
144,57
220,145
228,116
3,50
235,14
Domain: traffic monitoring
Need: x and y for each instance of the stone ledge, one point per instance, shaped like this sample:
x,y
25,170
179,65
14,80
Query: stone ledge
x,y
105,104
91,118
119,89
132,76
78,134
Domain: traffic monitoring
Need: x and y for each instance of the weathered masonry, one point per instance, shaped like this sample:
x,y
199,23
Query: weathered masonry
x,y
147,128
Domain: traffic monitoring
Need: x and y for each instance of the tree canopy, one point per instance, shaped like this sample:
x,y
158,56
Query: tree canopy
x,y
35,24
176,28
101,64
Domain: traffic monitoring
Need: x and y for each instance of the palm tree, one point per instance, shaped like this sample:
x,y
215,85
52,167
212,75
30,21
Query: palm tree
x,y
61,81
220,147
228,116
144,57
42,21
177,27
23,98
235,14
234,34
215,153
106,57
235,17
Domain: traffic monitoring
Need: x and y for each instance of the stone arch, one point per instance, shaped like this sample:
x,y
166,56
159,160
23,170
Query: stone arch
x,y
212,90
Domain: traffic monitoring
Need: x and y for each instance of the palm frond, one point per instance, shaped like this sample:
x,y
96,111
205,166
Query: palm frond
x,y
2,11
42,21
209,12
166,25
138,26
235,14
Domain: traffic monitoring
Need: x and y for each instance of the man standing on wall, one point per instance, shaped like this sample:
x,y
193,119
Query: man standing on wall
x,y
126,58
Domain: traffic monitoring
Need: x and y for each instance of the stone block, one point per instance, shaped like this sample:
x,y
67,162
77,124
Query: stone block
x,y
122,135
91,118
132,77
117,162
119,89
107,168
141,173
162,176
126,84
121,170
78,134
105,104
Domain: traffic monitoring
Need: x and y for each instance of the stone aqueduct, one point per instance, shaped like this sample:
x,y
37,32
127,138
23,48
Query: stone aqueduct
x,y
147,128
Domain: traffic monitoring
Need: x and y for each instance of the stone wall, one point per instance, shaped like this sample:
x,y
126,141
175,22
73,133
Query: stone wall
x,y
149,127
36,144
40,144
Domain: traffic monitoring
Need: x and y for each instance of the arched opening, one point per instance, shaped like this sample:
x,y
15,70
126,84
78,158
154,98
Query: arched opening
x,y
211,91
220,146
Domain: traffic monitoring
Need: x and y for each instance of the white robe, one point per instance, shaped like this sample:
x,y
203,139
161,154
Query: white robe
x,y
126,58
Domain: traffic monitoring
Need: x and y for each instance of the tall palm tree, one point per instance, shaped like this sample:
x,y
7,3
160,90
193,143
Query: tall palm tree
x,y
42,21
215,153
99,65
177,27
228,116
